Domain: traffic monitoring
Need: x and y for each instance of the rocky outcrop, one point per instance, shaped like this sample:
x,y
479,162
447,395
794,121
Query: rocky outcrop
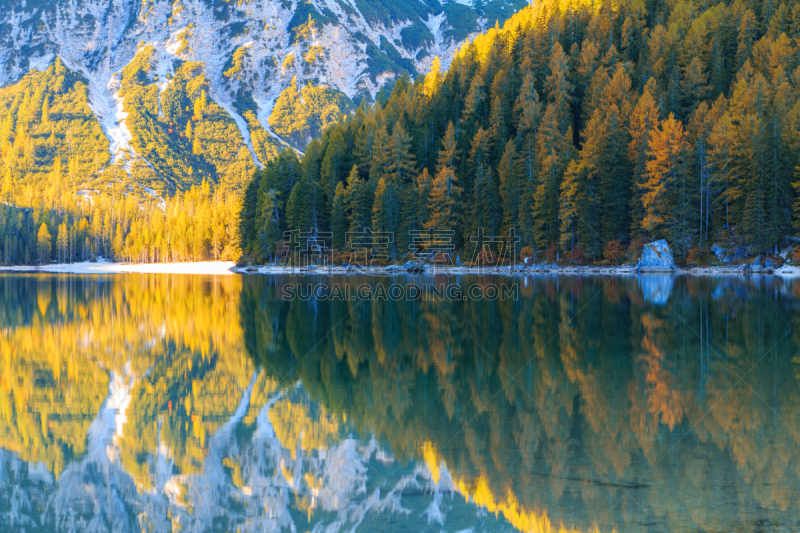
x,y
729,255
718,251
758,266
657,257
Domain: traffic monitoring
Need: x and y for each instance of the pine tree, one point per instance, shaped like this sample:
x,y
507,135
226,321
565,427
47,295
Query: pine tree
x,y
62,243
271,229
595,199
668,196
528,172
554,154
695,86
422,191
56,182
444,201
528,107
359,202
558,86
200,105
571,194
448,154
510,190
339,221
746,37
402,166
379,158
644,120
615,174
305,207
44,244
755,216
479,167
331,172
498,129
387,212
796,204
8,186
486,215
473,102
46,110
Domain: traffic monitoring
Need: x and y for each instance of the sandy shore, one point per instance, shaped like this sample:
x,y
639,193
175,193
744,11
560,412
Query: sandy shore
x,y
213,268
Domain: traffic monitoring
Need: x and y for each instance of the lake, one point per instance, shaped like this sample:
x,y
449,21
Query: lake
x,y
147,402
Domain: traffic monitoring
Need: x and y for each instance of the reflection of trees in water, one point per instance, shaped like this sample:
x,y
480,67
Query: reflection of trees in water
x,y
179,336
186,433
614,395
176,342
605,384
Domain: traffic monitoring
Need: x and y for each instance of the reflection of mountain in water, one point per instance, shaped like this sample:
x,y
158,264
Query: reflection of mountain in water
x,y
188,433
135,402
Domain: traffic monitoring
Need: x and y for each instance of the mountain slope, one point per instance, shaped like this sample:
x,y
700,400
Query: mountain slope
x,y
244,54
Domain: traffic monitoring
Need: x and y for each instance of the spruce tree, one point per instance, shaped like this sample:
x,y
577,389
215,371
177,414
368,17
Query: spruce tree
x,y
644,120
332,171
510,189
339,221
668,192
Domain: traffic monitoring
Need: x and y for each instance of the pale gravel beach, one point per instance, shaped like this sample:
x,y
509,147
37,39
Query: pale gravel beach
x,y
517,270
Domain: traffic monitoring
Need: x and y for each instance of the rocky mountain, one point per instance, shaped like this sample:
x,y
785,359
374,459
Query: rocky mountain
x,y
315,58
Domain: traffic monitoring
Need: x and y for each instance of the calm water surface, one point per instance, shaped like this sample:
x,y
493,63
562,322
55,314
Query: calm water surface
x,y
181,403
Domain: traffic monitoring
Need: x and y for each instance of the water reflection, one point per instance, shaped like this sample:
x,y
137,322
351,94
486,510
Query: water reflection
x,y
134,403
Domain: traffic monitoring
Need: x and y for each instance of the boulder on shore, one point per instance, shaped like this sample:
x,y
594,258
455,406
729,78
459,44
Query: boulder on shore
x,y
657,257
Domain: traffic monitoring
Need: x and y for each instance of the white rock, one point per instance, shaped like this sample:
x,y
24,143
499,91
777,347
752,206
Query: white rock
x,y
657,257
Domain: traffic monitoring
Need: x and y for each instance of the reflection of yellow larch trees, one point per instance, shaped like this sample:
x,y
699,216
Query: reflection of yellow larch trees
x,y
48,399
602,380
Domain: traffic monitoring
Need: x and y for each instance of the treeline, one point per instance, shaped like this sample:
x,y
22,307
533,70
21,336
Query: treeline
x,y
196,225
586,127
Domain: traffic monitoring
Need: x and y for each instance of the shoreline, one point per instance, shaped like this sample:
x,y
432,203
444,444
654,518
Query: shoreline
x,y
209,268
517,270
229,268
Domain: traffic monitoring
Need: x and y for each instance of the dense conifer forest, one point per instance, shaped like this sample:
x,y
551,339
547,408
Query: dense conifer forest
x,y
588,127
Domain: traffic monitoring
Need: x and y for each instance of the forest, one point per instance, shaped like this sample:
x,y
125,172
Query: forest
x,y
589,128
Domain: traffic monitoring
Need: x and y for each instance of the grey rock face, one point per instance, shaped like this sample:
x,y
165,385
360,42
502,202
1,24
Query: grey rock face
x,y
756,265
657,257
